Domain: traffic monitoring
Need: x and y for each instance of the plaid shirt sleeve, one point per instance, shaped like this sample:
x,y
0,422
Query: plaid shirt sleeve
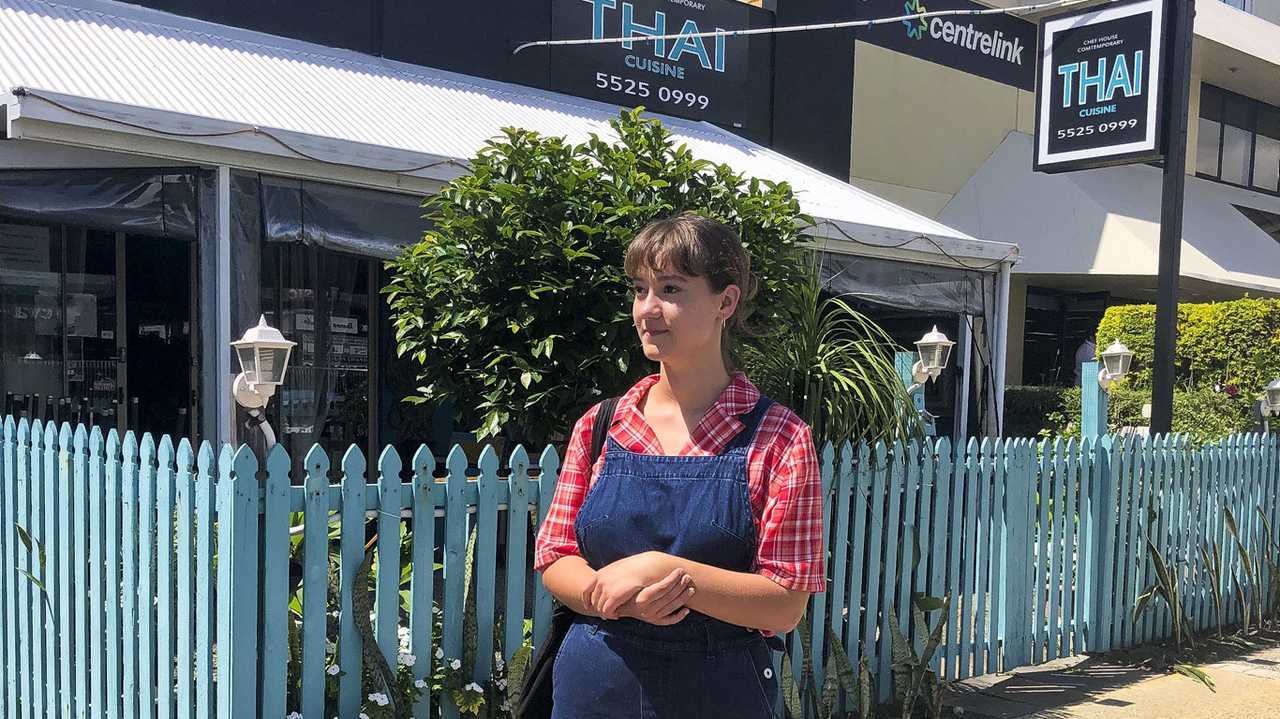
x,y
556,537
792,549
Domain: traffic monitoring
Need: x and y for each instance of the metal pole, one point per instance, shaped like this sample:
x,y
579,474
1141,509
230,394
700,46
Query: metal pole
x,y
1182,15
1000,356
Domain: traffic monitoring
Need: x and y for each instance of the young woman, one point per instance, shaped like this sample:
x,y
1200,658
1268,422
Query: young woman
x,y
698,531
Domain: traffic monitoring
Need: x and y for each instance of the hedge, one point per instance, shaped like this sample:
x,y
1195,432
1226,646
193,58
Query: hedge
x,y
1202,414
1220,343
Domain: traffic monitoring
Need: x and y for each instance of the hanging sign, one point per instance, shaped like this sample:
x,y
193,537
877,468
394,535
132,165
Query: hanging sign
x,y
997,47
703,78
1099,87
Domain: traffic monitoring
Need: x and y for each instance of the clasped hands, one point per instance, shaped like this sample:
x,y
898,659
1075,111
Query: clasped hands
x,y
643,586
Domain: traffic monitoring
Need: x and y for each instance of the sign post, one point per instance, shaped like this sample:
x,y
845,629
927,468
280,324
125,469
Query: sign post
x,y
1112,89
1171,194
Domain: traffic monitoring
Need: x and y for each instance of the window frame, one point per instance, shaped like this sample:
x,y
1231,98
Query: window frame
x,y
1255,108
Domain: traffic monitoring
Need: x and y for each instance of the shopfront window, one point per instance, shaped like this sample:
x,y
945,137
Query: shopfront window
x,y
310,258
321,300
96,321
1238,141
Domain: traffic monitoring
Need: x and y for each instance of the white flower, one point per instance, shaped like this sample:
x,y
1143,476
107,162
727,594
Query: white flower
x,y
334,614
380,699
294,715
455,664
439,653
364,716
502,683
406,660
332,670
473,687
421,684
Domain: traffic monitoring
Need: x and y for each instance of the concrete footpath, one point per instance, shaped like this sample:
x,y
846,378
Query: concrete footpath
x,y
1247,687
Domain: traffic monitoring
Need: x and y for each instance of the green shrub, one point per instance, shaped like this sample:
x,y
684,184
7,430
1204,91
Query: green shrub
x,y
515,305
1221,343
1202,414
1205,415
1232,343
1027,408
1134,326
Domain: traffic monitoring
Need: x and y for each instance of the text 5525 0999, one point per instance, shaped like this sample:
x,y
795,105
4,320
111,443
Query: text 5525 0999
x,y
1097,128
641,89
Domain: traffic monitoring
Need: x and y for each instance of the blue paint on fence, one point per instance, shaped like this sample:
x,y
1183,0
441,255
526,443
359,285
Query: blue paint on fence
x,y
153,552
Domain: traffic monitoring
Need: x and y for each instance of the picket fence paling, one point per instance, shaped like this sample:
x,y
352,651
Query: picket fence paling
x,y
1040,546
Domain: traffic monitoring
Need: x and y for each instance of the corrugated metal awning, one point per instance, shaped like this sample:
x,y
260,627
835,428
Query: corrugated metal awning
x,y
105,74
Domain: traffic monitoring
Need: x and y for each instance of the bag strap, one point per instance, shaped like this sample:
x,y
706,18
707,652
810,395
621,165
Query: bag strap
x,y
600,428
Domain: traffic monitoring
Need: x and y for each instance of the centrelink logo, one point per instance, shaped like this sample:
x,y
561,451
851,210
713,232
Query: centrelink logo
x,y
967,37
916,28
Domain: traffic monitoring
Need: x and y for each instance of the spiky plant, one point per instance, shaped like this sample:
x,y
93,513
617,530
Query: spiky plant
x,y
833,366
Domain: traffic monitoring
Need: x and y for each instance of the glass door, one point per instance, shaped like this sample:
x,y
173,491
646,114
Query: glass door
x,y
321,300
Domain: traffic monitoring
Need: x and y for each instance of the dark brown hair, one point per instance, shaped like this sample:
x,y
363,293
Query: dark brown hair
x,y
696,246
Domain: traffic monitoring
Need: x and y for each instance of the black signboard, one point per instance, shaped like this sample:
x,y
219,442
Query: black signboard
x,y
998,47
703,78
1100,87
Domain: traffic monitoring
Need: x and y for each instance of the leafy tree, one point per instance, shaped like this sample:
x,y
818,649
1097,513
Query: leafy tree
x,y
515,306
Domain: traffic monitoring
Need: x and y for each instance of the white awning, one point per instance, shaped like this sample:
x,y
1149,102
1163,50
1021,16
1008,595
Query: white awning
x,y
108,75
1107,221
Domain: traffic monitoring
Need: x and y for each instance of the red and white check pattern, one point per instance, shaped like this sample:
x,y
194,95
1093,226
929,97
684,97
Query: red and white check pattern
x,y
783,480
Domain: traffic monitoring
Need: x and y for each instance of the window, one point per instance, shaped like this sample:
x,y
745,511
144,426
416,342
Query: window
x,y
1239,140
1266,151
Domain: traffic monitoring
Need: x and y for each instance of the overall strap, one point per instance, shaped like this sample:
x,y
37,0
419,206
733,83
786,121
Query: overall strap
x,y
600,428
750,423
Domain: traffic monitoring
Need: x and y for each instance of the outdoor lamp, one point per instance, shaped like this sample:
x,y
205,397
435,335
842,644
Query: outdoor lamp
x,y
1271,403
935,350
264,356
1115,364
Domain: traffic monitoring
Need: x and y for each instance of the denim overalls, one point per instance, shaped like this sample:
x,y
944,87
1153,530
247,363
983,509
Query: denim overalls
x,y
694,507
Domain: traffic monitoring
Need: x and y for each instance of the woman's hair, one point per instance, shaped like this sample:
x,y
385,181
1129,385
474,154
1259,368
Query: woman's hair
x,y
696,246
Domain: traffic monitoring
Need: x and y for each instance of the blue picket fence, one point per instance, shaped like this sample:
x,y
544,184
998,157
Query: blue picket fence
x,y
167,566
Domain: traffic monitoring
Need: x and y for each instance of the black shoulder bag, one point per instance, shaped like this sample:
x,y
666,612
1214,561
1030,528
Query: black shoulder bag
x,y
535,695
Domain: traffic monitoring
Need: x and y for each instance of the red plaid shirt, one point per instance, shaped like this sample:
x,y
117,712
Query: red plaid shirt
x,y
783,480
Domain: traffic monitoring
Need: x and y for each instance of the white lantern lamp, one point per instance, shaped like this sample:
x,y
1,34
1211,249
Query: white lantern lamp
x,y
264,356
1271,398
1116,359
935,351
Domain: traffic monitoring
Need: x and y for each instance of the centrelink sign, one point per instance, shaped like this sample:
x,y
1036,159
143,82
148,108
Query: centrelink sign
x,y
1100,91
686,75
997,47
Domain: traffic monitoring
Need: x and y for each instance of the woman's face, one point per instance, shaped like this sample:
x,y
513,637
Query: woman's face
x,y
678,316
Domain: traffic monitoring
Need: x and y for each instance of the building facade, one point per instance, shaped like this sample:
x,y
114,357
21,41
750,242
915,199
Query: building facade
x,y
942,114
169,171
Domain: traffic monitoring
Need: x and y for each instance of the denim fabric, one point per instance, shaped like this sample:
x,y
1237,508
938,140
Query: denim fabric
x,y
694,507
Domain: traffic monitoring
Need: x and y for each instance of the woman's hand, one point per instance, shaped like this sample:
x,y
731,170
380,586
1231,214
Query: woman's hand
x,y
662,604
621,582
